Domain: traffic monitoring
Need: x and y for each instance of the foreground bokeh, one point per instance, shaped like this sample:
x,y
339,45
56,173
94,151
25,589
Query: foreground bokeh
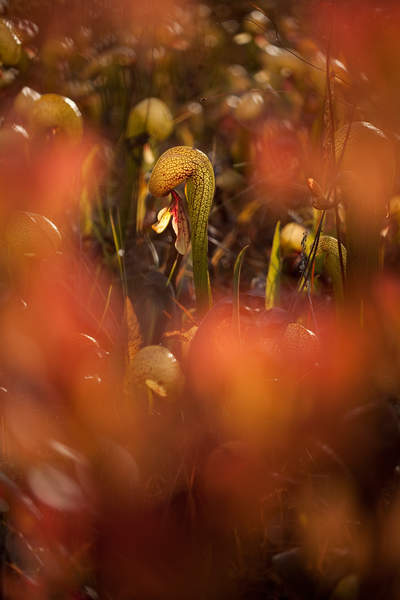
x,y
199,292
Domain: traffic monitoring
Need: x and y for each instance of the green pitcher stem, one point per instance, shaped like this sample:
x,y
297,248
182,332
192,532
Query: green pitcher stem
x,y
176,165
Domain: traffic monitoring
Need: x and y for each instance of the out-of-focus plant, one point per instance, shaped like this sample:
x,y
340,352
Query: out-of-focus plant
x,y
151,116
10,44
154,369
292,237
327,259
24,102
56,114
15,54
31,235
150,121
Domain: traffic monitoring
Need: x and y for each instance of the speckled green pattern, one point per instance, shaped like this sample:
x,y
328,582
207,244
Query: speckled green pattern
x,y
175,166
329,245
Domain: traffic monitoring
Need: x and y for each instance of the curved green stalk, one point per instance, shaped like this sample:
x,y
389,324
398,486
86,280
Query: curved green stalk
x,y
176,165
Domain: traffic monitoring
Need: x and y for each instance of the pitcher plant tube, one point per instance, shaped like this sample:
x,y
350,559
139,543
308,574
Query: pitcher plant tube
x,y
175,166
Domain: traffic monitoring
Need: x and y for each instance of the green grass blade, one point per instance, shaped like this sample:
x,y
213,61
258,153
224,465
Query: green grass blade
x,y
172,271
274,270
236,289
106,307
118,251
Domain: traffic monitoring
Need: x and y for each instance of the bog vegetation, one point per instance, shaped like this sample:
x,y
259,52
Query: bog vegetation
x,y
199,300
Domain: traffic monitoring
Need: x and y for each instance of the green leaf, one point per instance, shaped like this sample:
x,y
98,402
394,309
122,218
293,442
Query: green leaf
x,y
236,288
274,270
